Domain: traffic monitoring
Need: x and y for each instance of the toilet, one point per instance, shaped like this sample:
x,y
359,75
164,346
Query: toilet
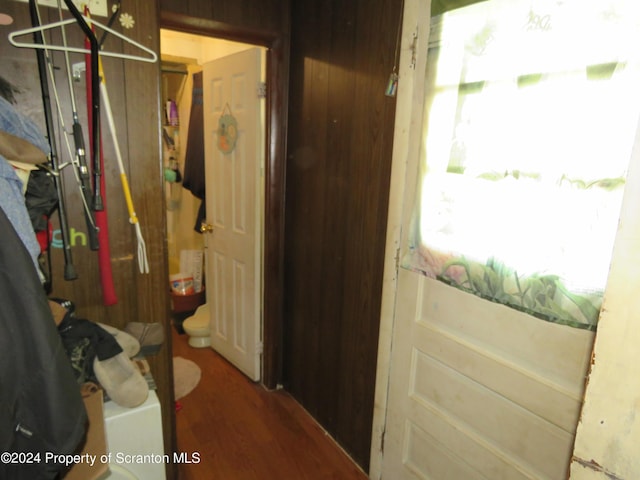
x,y
197,327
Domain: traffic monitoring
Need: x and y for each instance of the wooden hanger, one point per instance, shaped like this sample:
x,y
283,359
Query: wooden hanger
x,y
151,58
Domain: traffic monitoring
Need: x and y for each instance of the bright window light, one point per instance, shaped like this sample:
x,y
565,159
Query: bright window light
x,y
528,128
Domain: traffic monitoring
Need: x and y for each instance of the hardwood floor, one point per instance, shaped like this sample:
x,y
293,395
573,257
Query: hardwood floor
x,y
243,432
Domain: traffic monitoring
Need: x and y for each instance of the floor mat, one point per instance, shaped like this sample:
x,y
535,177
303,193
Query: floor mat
x,y
186,375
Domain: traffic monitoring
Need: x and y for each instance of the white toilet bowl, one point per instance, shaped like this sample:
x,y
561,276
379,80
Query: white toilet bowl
x,y
197,327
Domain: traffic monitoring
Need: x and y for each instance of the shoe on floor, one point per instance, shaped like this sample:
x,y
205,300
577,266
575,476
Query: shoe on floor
x,y
150,336
122,380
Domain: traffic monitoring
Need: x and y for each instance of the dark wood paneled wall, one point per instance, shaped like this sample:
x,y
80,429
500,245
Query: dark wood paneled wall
x,y
135,99
339,157
260,15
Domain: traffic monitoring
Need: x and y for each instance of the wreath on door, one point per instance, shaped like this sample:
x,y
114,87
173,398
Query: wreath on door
x,y
227,131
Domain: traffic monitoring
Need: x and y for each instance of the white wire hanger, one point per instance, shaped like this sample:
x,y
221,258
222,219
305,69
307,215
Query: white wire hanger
x,y
151,58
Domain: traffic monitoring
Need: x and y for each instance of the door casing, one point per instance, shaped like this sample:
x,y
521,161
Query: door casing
x,y
277,66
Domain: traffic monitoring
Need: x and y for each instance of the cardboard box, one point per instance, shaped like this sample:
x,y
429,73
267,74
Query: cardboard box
x,y
96,442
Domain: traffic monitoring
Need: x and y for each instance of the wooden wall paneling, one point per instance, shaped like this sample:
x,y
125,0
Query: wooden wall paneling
x,y
317,195
339,155
265,15
177,7
305,178
19,64
340,141
142,106
305,279
366,216
199,9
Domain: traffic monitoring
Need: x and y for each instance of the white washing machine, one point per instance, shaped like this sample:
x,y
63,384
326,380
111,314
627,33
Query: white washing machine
x,y
134,441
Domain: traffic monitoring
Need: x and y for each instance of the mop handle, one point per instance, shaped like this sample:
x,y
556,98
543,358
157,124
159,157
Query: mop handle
x,y
112,127
133,218
143,262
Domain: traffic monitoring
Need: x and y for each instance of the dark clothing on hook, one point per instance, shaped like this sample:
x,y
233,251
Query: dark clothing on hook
x,y
41,409
194,179
194,172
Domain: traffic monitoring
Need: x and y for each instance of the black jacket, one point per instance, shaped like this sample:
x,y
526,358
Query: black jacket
x,y
41,409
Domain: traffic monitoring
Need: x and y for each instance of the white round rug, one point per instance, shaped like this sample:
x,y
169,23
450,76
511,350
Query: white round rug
x,y
186,375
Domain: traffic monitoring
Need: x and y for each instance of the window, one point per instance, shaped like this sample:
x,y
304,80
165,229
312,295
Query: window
x,y
529,119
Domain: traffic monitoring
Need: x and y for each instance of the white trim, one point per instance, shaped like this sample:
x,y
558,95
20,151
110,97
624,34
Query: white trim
x,y
416,17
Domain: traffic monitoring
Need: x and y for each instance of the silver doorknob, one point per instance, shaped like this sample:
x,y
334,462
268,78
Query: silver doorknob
x,y
206,228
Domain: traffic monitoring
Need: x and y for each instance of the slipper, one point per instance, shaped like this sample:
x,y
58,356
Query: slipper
x,y
129,344
150,336
121,380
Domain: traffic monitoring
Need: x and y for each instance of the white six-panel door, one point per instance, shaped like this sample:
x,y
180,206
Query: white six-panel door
x,y
233,201
466,389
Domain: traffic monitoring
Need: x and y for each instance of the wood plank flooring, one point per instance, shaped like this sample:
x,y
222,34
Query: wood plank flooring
x,y
243,432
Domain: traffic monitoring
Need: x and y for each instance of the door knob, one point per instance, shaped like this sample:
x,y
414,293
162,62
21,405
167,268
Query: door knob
x,y
206,228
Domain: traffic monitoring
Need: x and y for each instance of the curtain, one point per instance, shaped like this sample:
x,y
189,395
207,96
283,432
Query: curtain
x,y
528,128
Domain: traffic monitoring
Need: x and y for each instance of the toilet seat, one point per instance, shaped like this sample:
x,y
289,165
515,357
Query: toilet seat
x,y
197,323
197,327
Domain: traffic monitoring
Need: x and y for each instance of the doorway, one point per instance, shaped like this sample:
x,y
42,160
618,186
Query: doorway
x,y
208,82
277,66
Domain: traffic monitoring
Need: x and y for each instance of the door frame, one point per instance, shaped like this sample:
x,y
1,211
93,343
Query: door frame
x,y
277,73
413,48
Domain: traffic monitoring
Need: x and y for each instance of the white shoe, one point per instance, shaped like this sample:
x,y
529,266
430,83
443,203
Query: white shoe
x,y
122,380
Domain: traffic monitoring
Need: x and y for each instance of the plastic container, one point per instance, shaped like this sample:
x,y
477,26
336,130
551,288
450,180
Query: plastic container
x,y
182,284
